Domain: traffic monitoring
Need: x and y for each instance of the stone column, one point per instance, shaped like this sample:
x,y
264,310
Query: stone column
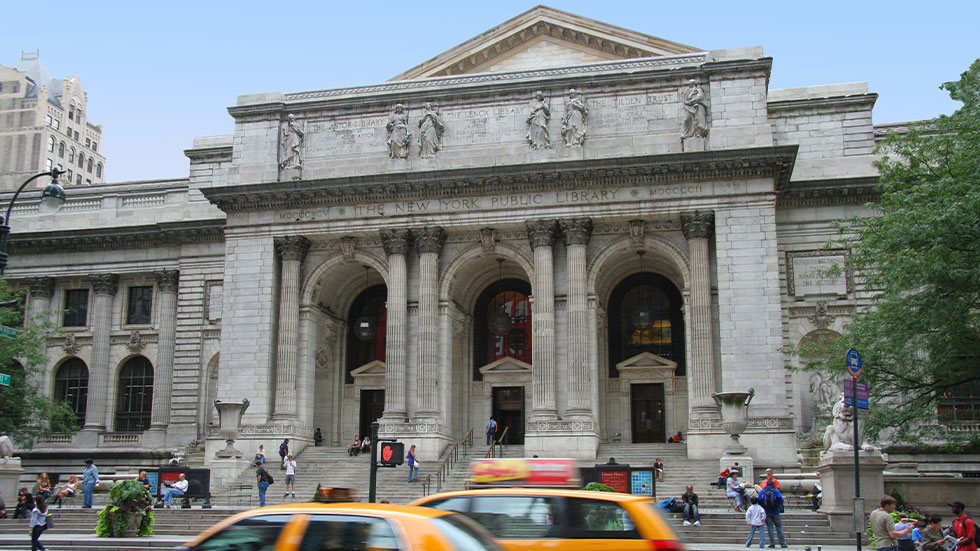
x,y
42,289
576,233
428,243
541,234
698,228
164,373
99,381
292,249
396,244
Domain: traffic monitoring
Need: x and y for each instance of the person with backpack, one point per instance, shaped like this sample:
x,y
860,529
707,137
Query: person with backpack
x,y
283,452
263,480
772,502
491,430
963,528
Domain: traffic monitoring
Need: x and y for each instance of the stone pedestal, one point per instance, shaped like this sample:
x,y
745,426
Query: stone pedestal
x,y
226,471
9,476
837,479
746,466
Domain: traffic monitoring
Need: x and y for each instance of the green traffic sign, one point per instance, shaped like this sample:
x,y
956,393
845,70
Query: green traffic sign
x,y
4,379
8,332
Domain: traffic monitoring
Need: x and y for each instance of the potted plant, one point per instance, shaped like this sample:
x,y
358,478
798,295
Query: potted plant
x,y
129,513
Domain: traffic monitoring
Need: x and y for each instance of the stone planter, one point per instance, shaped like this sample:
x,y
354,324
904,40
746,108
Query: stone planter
x,y
734,416
229,424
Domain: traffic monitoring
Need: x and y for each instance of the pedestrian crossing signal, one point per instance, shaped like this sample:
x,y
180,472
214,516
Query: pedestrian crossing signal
x,y
392,453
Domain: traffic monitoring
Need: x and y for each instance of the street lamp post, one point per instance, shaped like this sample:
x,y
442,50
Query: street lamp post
x,y
52,197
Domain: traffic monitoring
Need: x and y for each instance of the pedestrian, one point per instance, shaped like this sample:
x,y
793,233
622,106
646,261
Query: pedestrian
x,y
772,502
658,467
90,477
39,523
690,500
817,494
290,466
770,480
259,456
262,480
318,437
964,528
735,490
413,465
932,536
917,537
905,542
283,452
25,503
491,430
755,517
883,525
175,489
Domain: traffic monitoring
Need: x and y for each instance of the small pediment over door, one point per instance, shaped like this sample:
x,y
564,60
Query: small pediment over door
x,y
506,370
370,375
649,368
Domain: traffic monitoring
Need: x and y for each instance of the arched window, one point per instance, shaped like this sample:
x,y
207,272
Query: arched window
x,y
51,144
81,160
61,150
71,387
71,113
89,167
512,338
367,328
71,154
645,315
135,398
98,170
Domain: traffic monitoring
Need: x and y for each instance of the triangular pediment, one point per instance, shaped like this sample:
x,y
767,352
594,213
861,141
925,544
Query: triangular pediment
x,y
505,365
646,360
376,367
540,38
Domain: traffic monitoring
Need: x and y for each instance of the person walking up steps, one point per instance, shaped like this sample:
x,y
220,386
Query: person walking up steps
x,y
491,430
290,466
262,480
283,452
39,523
755,517
90,477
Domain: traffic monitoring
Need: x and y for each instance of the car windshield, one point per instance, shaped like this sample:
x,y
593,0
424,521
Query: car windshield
x,y
465,534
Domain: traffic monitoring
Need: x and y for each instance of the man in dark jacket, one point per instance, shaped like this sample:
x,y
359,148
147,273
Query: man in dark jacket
x,y
690,500
283,452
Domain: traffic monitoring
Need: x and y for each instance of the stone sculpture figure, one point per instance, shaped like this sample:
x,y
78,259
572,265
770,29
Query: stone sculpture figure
x,y
399,135
573,123
537,123
839,435
695,111
291,144
6,448
430,132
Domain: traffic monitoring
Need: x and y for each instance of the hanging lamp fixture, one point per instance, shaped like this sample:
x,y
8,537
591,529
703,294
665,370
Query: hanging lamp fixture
x,y
365,326
499,322
641,315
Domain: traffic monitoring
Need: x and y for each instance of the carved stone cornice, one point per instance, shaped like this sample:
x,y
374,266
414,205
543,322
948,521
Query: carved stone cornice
x,y
167,280
488,239
292,247
396,241
429,240
41,287
118,237
843,191
541,233
104,284
698,224
576,231
638,230
728,164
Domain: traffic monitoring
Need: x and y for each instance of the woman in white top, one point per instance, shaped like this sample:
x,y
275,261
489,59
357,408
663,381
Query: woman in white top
x,y
39,523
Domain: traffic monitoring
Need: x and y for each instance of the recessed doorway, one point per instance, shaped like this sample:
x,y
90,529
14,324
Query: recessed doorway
x,y
647,413
508,410
372,408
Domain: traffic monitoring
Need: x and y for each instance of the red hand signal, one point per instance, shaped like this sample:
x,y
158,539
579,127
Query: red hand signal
x,y
386,453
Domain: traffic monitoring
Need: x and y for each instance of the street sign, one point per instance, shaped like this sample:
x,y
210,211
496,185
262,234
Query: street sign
x,y
4,379
850,386
8,332
853,363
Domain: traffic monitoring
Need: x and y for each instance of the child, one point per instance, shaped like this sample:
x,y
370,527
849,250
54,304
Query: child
x,y
755,517
917,532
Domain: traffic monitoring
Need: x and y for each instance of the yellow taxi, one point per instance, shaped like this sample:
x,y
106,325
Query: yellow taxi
x,y
562,520
344,526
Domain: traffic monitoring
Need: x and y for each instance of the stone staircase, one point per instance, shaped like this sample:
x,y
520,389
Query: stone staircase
x,y
801,528
679,471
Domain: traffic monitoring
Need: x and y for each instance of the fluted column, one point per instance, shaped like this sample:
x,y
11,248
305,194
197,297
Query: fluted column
x,y
396,244
163,375
576,233
541,234
428,243
292,249
99,383
698,228
42,289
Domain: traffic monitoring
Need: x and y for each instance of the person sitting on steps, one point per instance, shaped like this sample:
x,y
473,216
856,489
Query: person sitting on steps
x,y
355,447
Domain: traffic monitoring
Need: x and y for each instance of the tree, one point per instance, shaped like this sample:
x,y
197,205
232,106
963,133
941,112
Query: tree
x,y
920,254
24,412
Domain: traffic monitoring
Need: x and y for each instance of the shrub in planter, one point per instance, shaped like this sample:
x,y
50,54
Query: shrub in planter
x,y
130,513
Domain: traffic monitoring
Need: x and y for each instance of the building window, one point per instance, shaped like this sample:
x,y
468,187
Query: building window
x,y
513,337
88,167
95,146
71,113
50,120
71,154
367,329
76,135
51,144
57,124
88,142
135,399
140,305
71,387
61,150
81,160
78,180
48,164
69,174
76,308
645,315
98,170
960,405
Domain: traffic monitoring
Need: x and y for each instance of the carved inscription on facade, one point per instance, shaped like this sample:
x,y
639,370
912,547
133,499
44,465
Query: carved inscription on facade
x,y
817,273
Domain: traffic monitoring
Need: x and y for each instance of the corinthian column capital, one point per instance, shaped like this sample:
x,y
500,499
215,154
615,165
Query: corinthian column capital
x,y
698,224
429,240
167,280
292,247
41,287
576,231
396,241
104,284
541,233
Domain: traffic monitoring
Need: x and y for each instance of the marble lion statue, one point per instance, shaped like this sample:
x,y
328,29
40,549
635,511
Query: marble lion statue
x,y
839,435
6,448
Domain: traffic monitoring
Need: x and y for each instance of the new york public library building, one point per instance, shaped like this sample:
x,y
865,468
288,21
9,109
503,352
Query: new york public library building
x,y
582,230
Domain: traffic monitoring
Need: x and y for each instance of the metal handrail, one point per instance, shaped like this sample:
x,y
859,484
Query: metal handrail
x,y
493,445
442,473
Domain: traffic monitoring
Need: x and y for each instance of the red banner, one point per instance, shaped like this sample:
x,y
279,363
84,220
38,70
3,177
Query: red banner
x,y
617,480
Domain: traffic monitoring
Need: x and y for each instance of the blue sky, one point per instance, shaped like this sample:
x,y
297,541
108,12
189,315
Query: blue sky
x,y
160,73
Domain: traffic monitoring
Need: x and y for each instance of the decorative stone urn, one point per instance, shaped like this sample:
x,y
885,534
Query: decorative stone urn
x,y
229,424
734,419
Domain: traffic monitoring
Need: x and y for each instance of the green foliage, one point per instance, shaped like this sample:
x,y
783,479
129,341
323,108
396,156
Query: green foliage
x,y
598,487
24,412
130,500
920,254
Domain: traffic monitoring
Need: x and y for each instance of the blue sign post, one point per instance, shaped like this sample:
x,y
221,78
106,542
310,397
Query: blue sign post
x,y
853,362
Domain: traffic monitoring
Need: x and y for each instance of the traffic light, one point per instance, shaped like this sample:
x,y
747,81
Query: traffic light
x,y
392,453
